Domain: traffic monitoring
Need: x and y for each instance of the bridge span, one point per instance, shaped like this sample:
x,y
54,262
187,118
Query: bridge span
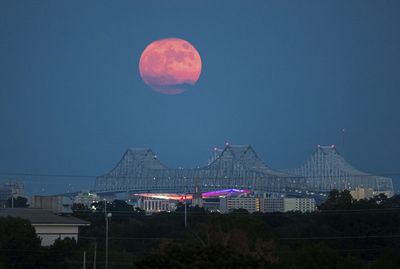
x,y
141,171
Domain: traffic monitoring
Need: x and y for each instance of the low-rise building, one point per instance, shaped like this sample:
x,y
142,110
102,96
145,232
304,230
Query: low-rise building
x,y
285,204
229,203
275,204
151,205
211,204
56,204
48,226
362,193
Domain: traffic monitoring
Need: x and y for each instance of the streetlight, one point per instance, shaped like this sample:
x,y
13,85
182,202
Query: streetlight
x,y
107,216
185,211
186,191
12,198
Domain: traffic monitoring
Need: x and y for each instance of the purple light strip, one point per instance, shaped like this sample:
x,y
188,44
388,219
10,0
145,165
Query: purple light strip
x,y
223,192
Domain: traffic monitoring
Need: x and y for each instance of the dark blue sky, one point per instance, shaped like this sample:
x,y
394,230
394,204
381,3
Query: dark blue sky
x,y
283,76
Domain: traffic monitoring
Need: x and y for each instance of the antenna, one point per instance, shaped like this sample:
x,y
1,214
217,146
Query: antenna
x,y
343,133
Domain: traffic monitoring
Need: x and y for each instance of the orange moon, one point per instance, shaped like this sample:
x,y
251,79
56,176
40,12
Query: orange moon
x,y
170,65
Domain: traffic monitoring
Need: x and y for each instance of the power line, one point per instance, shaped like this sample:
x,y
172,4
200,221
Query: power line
x,y
339,237
257,214
45,175
152,177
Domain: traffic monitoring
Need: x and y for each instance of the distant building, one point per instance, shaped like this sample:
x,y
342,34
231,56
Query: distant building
x,y
275,204
17,188
86,198
10,189
284,204
5,194
197,199
48,226
362,193
251,204
56,204
211,204
151,205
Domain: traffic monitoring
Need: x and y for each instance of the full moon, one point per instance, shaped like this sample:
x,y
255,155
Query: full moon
x,y
170,65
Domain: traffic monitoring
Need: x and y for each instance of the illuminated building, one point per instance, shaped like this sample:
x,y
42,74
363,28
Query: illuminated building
x,y
228,204
86,198
151,205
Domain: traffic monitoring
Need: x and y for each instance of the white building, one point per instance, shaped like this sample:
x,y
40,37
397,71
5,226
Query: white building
x,y
362,193
288,204
151,205
251,204
48,226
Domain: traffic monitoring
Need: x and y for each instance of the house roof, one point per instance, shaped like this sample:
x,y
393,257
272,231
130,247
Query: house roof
x,y
41,216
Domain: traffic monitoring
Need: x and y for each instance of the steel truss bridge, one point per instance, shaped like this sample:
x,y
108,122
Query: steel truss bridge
x,y
326,169
140,171
236,167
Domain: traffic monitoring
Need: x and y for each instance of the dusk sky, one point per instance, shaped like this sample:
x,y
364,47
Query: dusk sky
x,y
282,76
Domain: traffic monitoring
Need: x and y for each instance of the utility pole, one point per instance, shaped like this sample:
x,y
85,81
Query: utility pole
x,y
12,194
84,259
185,211
94,255
105,214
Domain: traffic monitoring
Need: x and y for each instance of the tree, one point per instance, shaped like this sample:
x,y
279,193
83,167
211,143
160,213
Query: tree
x,y
240,211
18,202
79,208
59,254
338,200
120,206
178,255
316,256
19,244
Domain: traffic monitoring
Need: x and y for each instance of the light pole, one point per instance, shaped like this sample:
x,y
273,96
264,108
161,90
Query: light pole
x,y
95,255
12,197
107,216
185,211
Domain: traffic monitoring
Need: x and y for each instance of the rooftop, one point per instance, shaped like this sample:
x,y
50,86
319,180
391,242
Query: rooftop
x,y
41,216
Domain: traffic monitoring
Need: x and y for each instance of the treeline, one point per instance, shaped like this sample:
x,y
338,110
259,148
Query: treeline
x,y
344,233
